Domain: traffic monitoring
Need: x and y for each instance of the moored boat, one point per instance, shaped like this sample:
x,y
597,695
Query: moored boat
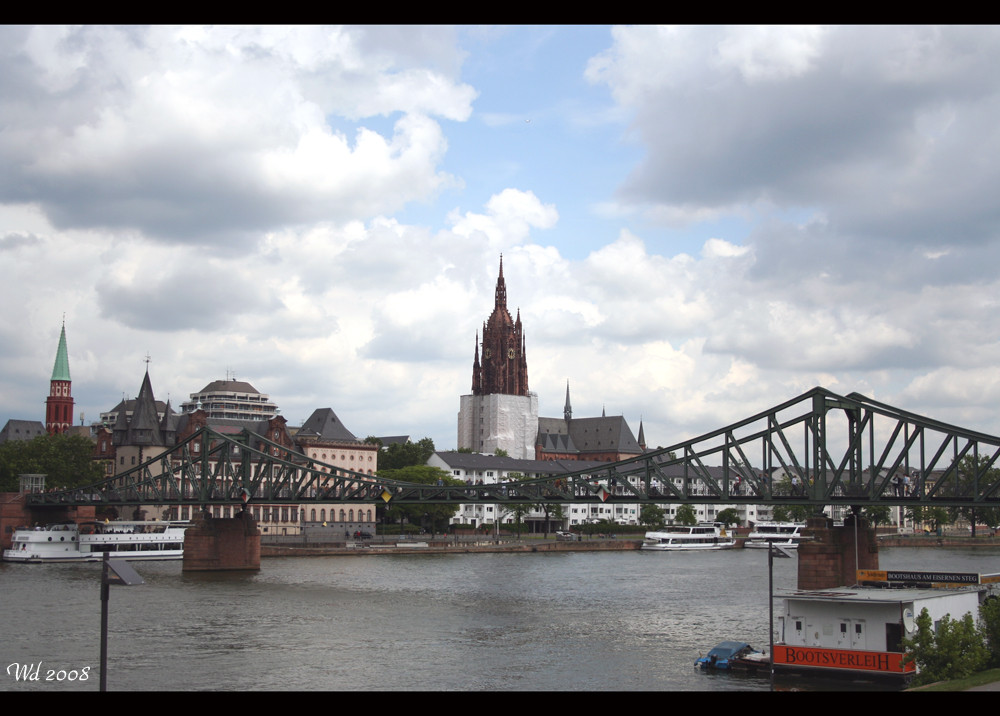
x,y
733,656
703,536
782,534
87,542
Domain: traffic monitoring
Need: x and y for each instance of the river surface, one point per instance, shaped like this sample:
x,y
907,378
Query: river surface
x,y
581,621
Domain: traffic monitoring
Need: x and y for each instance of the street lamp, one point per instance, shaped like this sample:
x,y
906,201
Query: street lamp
x,y
113,571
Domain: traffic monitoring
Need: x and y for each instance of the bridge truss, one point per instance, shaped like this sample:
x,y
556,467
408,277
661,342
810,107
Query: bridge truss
x,y
817,449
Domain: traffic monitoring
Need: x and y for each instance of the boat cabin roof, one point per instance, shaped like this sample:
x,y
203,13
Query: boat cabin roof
x,y
728,648
872,595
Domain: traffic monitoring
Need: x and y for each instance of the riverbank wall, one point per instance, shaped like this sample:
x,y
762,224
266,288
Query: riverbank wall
x,y
905,540
368,549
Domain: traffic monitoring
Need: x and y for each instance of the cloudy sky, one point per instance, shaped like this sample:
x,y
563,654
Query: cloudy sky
x,y
696,223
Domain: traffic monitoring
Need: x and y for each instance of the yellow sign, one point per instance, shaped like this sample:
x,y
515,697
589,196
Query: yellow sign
x,y
386,496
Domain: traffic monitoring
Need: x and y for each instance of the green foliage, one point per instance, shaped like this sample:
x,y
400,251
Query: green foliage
x,y
551,511
965,485
501,452
989,624
652,516
934,516
791,513
877,514
604,526
431,516
728,516
399,455
67,460
685,515
955,650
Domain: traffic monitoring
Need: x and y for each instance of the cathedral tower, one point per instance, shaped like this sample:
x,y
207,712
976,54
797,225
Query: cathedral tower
x,y
59,404
500,413
504,367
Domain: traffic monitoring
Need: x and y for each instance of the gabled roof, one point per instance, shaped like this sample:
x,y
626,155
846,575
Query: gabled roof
x,y
583,435
21,430
144,418
394,440
324,424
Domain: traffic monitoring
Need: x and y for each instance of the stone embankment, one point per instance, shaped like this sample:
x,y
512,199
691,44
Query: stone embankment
x,y
366,548
921,540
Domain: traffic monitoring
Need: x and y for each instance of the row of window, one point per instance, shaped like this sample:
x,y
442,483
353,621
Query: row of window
x,y
284,513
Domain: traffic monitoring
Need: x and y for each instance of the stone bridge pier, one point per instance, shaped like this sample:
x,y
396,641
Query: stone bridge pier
x,y
222,544
830,556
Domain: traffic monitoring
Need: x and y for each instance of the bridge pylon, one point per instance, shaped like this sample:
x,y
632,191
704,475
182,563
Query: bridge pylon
x,y
214,544
830,556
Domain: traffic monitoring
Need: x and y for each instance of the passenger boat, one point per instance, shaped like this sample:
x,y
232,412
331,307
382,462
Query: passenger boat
x,y
733,656
86,542
706,535
782,534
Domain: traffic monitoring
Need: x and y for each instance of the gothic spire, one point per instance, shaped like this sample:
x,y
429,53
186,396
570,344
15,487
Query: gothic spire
x,y
568,409
501,292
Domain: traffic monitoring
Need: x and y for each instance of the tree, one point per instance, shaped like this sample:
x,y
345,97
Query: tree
x,y
518,509
955,650
652,516
399,455
685,515
434,516
877,514
551,510
66,460
728,516
500,452
989,624
922,514
965,485
791,513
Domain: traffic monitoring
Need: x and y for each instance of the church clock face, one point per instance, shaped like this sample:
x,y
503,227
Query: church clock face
x,y
510,353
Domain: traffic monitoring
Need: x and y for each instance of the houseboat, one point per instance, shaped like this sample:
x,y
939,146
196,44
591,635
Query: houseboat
x,y
86,542
703,536
859,631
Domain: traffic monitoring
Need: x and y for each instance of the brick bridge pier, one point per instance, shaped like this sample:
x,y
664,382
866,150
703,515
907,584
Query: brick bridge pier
x,y
831,556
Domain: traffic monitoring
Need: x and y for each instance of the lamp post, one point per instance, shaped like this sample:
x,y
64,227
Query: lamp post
x,y
113,571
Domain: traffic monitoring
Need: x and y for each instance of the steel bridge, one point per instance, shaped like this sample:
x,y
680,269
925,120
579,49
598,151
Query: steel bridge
x,y
817,449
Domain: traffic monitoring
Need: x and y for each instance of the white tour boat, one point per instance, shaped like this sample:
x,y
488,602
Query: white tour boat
x,y
782,534
706,535
86,542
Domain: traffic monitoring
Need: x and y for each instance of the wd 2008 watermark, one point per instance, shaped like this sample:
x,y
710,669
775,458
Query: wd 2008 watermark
x,y
36,672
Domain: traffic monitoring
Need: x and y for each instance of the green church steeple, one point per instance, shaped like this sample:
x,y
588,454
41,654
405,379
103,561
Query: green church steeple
x,y
60,371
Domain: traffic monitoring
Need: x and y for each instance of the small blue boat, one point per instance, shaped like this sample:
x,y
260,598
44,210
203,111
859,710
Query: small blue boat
x,y
731,656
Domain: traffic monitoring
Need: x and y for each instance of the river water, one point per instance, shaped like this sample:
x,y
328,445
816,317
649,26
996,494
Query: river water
x,y
581,621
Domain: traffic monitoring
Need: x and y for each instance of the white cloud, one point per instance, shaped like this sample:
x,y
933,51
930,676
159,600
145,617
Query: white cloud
x,y
238,198
770,53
